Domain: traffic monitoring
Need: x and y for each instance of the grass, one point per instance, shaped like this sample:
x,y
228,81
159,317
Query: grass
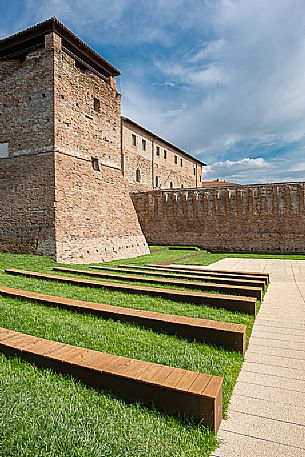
x,y
46,414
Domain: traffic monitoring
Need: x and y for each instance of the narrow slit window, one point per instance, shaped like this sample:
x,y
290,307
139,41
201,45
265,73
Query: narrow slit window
x,y
133,140
96,104
194,171
181,163
138,175
143,145
157,181
171,185
95,164
165,153
157,150
176,159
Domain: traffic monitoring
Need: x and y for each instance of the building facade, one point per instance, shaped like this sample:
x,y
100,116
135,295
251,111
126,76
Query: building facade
x,y
150,162
61,187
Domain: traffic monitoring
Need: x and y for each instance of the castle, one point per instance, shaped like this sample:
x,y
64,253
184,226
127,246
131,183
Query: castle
x,y
68,160
81,183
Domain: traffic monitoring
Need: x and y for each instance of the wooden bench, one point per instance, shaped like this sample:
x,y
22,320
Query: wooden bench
x,y
148,271
230,302
246,291
222,273
228,335
177,391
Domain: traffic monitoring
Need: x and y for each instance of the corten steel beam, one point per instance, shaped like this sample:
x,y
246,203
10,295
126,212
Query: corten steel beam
x,y
230,336
189,394
205,286
174,275
231,302
223,273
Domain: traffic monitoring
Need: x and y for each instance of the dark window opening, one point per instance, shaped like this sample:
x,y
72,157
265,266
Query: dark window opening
x,y
171,185
181,162
182,186
95,164
165,153
157,150
176,159
96,104
194,171
157,181
143,145
138,175
200,178
133,140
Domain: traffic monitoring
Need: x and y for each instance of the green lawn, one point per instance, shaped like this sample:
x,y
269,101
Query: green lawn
x,y
46,414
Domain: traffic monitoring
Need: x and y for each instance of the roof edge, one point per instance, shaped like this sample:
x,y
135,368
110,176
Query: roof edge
x,y
126,119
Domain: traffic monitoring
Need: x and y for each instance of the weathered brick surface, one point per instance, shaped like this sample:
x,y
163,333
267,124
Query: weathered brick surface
x,y
52,202
259,218
151,165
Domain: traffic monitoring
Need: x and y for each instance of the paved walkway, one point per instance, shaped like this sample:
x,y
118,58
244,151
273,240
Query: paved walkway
x,y
266,416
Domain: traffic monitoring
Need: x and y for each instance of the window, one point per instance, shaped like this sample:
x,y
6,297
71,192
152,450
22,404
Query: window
x,y
95,164
171,185
138,175
133,140
157,181
182,186
165,153
96,104
157,150
194,171
200,178
181,162
3,150
143,145
176,159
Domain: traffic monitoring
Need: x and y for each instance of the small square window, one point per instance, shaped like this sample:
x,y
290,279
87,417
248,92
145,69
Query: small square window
x,y
133,140
143,145
95,164
157,150
181,163
3,150
176,159
96,104
165,153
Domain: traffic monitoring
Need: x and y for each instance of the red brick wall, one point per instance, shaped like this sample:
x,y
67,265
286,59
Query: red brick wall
x,y
258,218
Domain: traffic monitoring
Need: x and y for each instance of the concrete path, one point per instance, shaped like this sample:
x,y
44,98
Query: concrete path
x,y
266,416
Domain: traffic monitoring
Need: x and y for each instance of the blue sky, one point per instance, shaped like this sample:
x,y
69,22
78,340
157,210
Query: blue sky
x,y
222,79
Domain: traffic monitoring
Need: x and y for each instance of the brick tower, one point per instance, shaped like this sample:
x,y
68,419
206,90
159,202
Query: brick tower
x,y
62,193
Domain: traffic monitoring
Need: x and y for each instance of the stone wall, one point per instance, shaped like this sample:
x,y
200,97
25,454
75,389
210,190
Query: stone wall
x,y
251,218
27,204
153,162
95,219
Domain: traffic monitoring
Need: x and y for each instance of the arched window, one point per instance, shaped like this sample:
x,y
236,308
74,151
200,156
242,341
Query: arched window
x,y
138,175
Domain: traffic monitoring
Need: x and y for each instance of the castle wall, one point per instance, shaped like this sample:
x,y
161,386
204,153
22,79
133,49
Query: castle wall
x,y
26,157
158,160
258,218
94,218
27,204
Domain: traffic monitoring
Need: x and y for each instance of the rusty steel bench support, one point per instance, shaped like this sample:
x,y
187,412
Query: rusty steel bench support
x,y
231,302
230,336
189,394
148,271
245,291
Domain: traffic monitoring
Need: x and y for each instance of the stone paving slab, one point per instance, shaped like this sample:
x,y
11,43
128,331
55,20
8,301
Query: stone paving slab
x,y
266,416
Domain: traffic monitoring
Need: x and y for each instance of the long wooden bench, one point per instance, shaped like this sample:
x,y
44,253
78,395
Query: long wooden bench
x,y
246,291
230,302
223,273
169,274
189,394
228,335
